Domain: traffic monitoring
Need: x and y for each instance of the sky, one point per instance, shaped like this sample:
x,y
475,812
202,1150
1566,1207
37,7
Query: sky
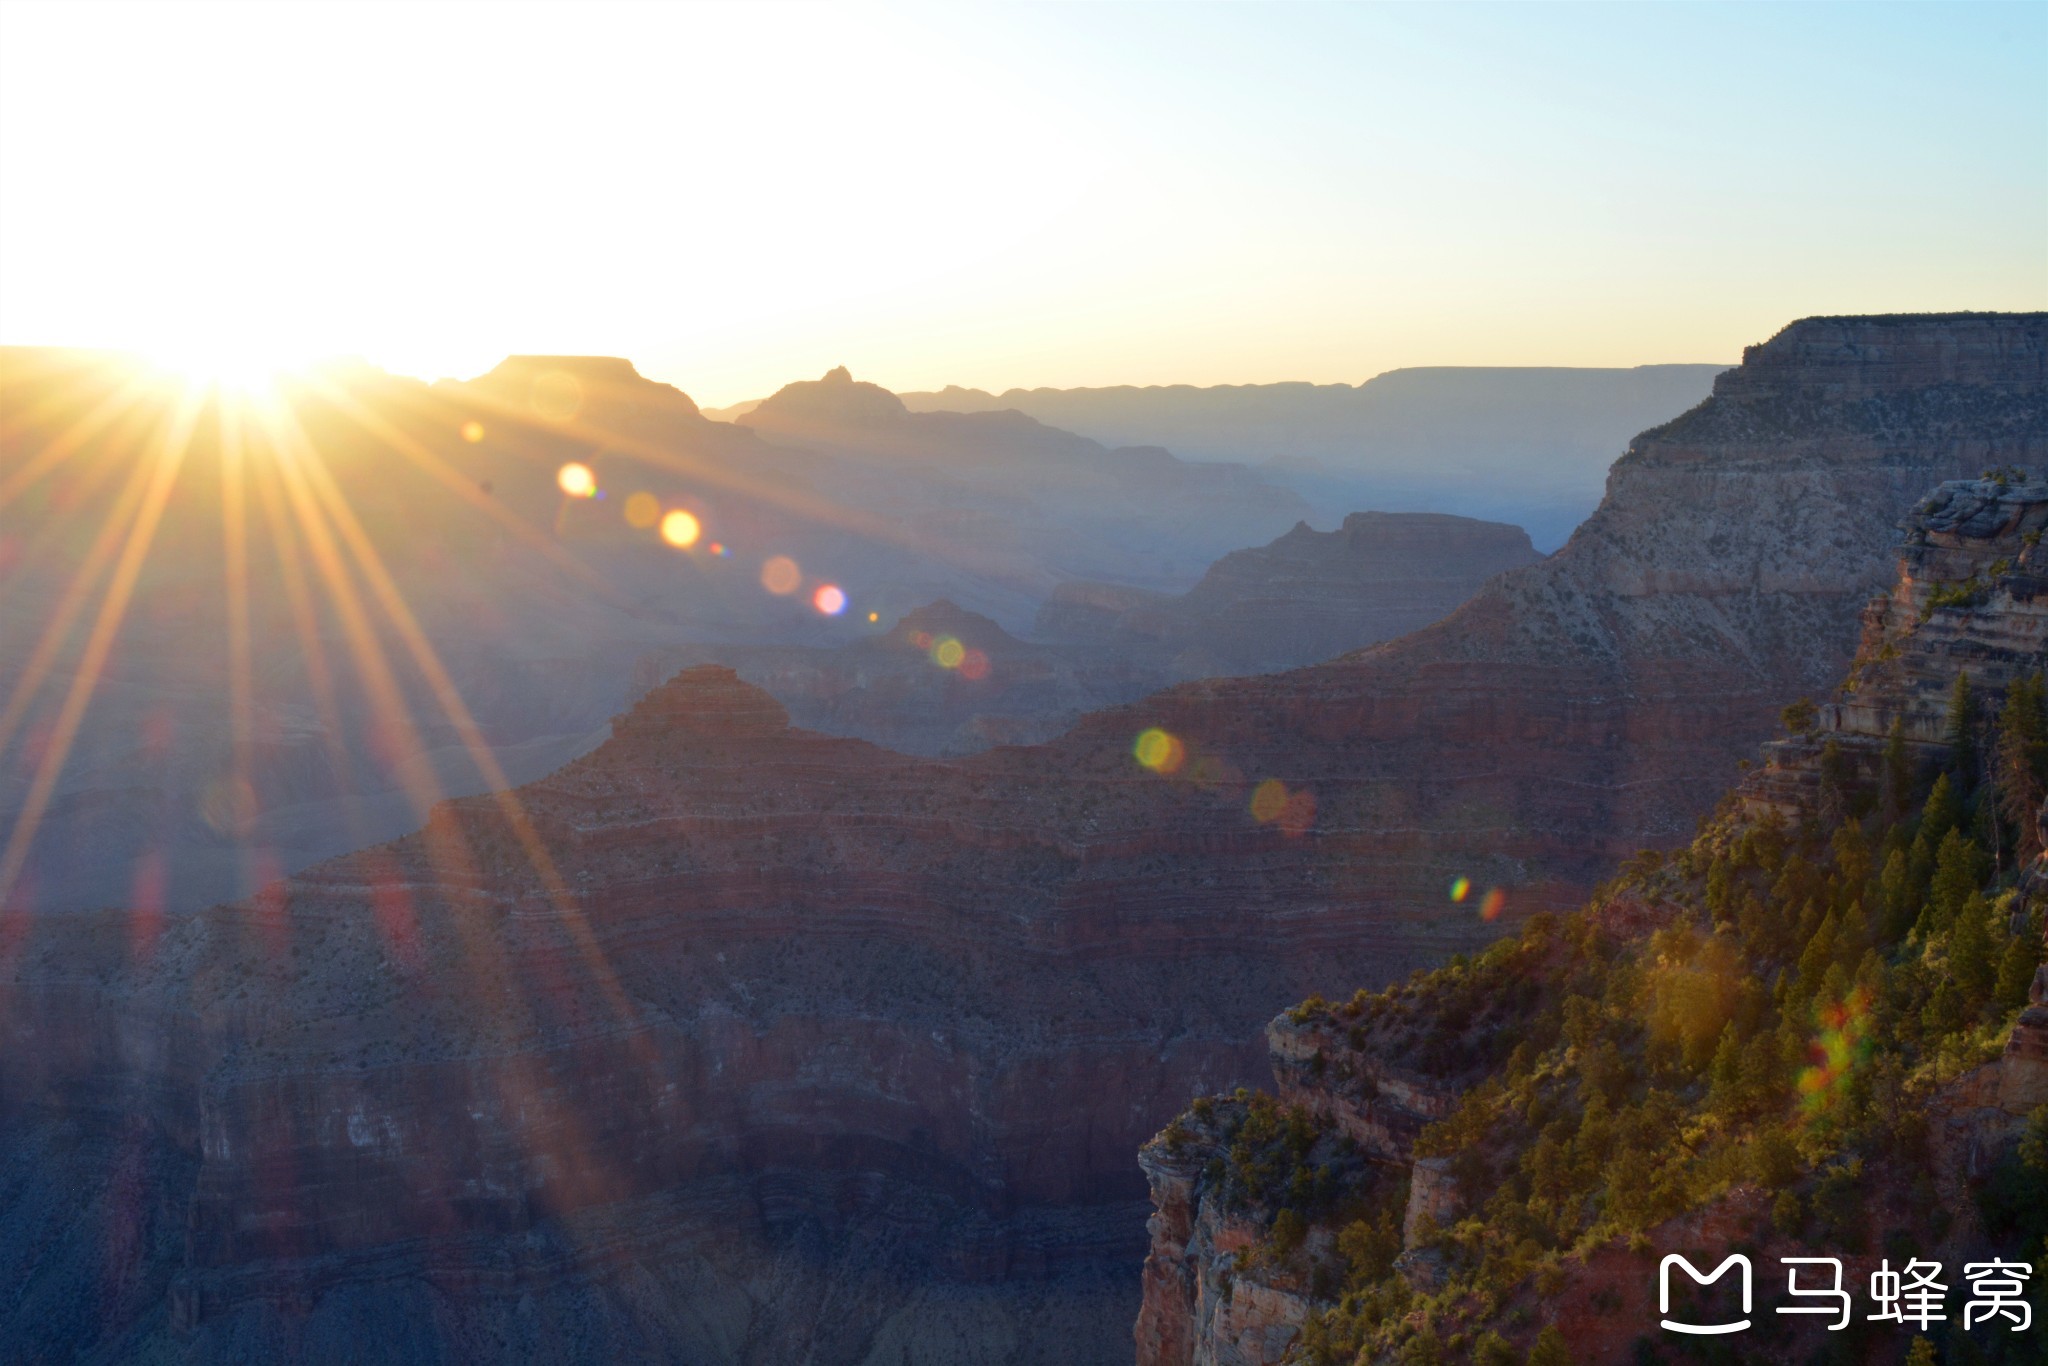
x,y
1009,196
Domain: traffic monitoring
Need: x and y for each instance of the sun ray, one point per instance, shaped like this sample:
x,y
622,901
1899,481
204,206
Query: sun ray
x,y
370,563
57,629
174,445
108,410
466,489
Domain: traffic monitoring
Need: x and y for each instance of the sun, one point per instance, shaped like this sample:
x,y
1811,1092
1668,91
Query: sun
x,y
244,365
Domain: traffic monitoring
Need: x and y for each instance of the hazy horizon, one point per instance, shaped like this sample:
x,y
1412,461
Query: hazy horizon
x,y
1009,197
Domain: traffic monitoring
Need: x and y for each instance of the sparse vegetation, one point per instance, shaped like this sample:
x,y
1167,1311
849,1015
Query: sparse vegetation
x,y
1803,992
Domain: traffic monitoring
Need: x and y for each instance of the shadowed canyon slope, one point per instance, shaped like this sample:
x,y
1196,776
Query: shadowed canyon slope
x,y
744,1042
1307,597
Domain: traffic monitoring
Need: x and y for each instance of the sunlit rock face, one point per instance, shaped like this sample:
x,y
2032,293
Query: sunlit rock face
x,y
1306,597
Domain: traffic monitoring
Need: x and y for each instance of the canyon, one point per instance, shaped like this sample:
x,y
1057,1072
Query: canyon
x,y
1307,596
738,1042
1372,1074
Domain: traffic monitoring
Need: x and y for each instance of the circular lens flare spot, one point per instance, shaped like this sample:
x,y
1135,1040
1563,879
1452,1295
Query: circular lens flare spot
x,y
1159,750
472,432
948,653
874,617
577,480
1461,887
974,665
781,576
680,529
557,396
829,599
1269,799
1491,905
643,510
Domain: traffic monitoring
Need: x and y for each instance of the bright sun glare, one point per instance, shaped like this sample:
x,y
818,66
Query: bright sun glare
x,y
232,364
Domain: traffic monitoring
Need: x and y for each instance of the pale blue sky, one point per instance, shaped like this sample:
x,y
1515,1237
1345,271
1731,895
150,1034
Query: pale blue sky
x,y
1015,195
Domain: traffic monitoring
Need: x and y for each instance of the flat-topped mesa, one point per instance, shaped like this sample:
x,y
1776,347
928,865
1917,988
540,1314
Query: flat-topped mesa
x,y
1849,358
708,702
1971,597
1865,390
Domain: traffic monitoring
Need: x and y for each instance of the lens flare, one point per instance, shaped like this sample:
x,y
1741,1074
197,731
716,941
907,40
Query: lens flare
x,y
1840,1045
1269,799
681,530
829,599
557,396
1159,750
1491,905
874,617
781,576
643,510
974,665
1294,812
948,653
1461,887
576,479
472,432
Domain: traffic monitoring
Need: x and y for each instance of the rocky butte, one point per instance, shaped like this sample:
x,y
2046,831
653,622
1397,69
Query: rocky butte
x,y
733,1042
1306,597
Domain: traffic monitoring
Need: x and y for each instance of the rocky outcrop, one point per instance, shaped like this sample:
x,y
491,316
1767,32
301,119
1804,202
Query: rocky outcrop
x,y
1308,596
1971,598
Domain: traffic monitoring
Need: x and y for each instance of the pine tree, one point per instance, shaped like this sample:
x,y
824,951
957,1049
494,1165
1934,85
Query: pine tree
x,y
1973,955
2018,761
1550,1349
1901,906
1898,773
2016,966
1956,876
1942,812
1962,737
